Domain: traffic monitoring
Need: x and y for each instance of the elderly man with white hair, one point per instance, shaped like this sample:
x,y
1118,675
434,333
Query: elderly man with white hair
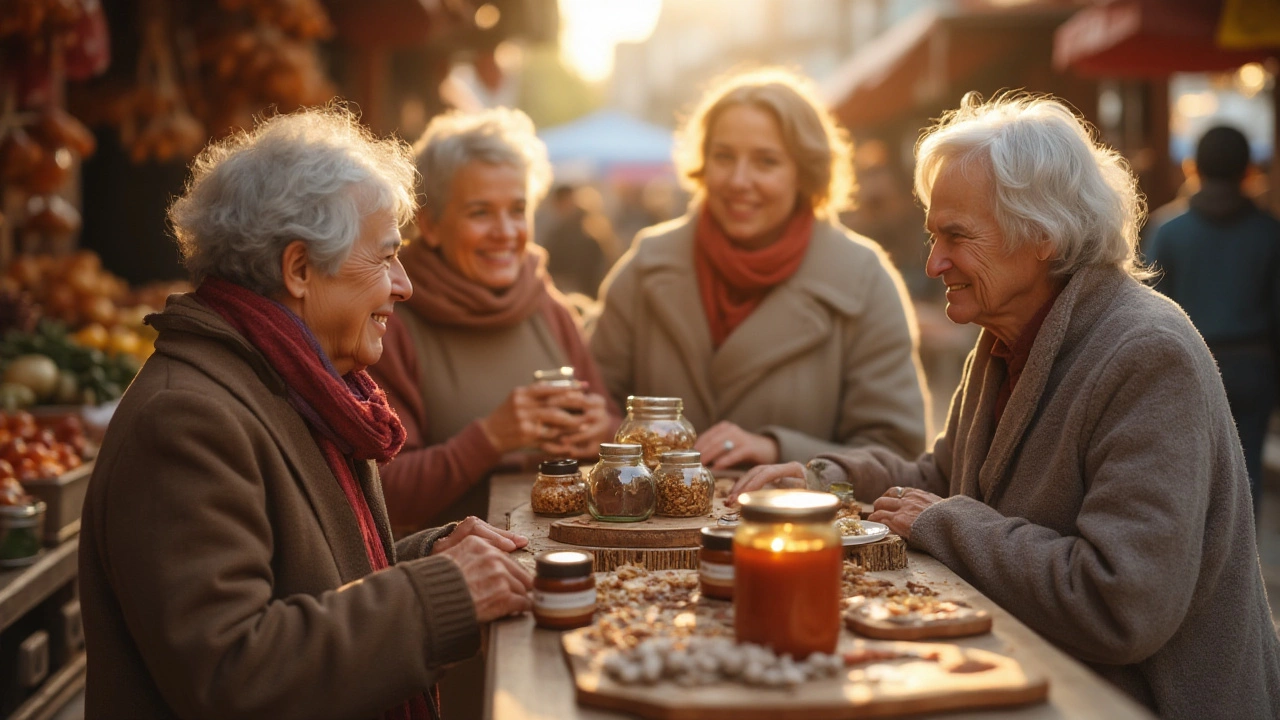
x,y
1090,479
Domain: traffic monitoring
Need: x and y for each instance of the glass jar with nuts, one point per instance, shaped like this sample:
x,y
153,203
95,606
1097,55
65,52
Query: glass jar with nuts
x,y
559,489
620,487
656,424
685,487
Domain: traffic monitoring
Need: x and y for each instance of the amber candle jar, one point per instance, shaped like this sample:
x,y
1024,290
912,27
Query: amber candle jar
x,y
715,563
564,590
786,572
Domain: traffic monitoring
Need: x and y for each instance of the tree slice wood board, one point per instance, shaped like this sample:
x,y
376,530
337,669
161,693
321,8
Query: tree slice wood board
x,y
887,554
869,619
960,679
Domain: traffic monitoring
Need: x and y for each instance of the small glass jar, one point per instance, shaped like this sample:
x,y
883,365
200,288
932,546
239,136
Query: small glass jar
x,y
564,590
556,377
20,533
787,560
656,423
685,488
558,490
620,488
715,563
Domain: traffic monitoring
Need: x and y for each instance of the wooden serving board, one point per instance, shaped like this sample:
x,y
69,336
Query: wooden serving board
x,y
961,678
968,621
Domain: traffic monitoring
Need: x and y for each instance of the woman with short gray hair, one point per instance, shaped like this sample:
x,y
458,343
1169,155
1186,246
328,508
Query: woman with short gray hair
x,y
1090,479
460,359
234,520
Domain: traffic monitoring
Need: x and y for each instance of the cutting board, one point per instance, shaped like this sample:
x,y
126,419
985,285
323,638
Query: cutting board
x,y
962,678
864,620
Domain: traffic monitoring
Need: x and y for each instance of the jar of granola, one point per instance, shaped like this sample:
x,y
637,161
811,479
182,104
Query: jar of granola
x,y
620,487
559,489
684,486
656,423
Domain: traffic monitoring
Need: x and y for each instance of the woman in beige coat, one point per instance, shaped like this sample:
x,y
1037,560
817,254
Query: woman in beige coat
x,y
785,334
1090,479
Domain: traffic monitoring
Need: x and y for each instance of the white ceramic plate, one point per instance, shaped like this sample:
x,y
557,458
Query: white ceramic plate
x,y
875,531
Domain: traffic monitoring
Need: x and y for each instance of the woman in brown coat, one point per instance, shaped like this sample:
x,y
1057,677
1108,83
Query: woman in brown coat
x,y
460,359
1090,479
785,334
235,559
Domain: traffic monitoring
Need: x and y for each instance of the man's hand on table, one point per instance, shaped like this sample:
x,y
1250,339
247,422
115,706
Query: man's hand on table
x,y
499,587
725,445
899,507
504,540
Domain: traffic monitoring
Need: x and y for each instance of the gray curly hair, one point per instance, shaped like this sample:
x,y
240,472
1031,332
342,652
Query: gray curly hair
x,y
1052,180
311,175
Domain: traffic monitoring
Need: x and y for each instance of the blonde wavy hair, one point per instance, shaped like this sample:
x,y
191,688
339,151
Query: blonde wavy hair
x,y
821,149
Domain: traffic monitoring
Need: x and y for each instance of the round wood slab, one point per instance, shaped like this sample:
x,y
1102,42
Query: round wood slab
x,y
656,532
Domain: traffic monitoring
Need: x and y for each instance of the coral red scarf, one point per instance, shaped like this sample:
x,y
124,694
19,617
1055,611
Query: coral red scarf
x,y
733,280
349,416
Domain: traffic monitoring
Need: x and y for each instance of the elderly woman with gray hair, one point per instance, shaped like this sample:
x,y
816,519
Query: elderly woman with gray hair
x,y
1090,479
235,556
460,359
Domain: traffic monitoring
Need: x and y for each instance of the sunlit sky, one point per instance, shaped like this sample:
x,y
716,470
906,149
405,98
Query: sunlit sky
x,y
589,29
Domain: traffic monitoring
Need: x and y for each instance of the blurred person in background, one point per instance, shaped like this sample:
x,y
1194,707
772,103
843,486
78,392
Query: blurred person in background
x,y
579,241
235,558
785,334
460,358
1089,479
1220,260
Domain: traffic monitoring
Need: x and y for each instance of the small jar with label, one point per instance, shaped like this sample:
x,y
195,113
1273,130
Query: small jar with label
x,y
685,488
620,488
559,489
657,424
564,590
715,563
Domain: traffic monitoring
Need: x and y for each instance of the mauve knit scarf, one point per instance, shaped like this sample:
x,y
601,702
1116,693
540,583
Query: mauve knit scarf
x,y
349,415
445,297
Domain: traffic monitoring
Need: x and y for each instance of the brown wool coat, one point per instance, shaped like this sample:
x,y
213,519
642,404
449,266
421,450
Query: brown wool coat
x,y
1109,510
222,572
829,359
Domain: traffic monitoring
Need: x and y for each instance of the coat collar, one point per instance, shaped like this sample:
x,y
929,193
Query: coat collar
x,y
1077,310
193,334
792,319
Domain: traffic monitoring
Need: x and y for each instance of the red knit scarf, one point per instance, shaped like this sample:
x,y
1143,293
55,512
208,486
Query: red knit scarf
x,y
349,415
733,280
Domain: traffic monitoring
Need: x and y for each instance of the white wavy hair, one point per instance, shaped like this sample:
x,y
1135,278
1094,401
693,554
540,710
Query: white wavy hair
x,y
496,136
312,175
1052,180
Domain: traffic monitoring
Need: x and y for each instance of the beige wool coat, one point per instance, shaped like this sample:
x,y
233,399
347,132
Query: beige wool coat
x,y
829,359
1109,510
222,571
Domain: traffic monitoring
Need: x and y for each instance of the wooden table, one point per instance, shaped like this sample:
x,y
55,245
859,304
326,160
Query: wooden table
x,y
527,678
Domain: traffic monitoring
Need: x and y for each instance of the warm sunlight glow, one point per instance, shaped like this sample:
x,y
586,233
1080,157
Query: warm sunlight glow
x,y
589,29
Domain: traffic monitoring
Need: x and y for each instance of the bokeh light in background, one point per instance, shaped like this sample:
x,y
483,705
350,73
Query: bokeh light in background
x,y
591,28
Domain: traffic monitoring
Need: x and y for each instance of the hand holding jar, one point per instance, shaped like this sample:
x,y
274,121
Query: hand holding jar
x,y
595,425
530,417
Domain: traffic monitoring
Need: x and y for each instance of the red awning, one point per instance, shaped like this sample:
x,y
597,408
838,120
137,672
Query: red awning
x,y
1147,38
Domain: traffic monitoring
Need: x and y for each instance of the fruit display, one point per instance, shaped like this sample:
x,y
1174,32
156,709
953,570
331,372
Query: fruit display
x,y
49,367
34,448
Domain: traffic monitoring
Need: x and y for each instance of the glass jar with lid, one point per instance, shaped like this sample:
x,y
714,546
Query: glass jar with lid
x,y
564,590
558,490
715,563
658,425
787,561
557,377
685,487
620,487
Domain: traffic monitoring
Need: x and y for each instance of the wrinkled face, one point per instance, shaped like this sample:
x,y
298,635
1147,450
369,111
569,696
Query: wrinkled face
x,y
484,227
750,178
986,284
348,311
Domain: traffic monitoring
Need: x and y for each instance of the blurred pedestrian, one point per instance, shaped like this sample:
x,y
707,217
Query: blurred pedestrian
x,y
1220,260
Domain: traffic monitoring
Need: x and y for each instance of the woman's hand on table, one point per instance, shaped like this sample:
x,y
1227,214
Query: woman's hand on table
x,y
899,507
498,585
503,540
529,417
725,445
594,426
788,475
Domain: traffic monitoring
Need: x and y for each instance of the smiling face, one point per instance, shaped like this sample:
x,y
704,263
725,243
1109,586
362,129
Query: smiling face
x,y
750,178
348,311
484,227
986,284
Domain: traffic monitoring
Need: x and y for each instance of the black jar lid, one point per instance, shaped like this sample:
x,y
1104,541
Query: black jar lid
x,y
795,506
563,564
558,467
717,538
